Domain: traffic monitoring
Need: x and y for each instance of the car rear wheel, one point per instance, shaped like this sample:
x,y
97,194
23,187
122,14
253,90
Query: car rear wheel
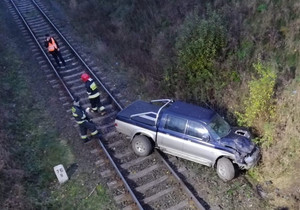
x,y
141,145
225,169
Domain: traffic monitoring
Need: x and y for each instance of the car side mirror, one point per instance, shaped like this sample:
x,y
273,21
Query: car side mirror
x,y
206,137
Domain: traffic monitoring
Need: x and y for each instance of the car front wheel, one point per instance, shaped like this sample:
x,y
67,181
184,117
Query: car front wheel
x,y
141,145
225,169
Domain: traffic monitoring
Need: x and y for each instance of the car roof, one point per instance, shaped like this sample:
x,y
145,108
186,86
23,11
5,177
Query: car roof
x,y
190,111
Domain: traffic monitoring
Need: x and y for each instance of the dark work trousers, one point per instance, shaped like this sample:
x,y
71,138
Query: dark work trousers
x,y
95,103
87,125
57,54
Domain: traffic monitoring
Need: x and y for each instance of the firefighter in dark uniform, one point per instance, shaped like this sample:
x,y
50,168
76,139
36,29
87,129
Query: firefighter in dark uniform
x,y
53,49
83,121
93,94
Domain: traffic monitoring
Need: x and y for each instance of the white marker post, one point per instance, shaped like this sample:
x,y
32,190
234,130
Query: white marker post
x,y
61,173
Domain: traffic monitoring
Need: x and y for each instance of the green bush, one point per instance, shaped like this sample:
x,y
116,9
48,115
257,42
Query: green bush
x,y
262,8
198,43
245,50
258,106
267,139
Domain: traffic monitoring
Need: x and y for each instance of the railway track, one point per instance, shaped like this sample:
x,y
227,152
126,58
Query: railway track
x,y
136,182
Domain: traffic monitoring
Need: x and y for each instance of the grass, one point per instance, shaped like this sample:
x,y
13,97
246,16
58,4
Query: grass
x,y
280,162
73,195
262,8
38,142
245,49
40,148
268,30
31,140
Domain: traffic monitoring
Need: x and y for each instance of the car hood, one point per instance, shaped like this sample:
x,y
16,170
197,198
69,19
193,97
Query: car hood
x,y
237,142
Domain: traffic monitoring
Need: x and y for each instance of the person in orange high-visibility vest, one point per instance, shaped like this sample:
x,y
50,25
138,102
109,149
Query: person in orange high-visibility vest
x,y
53,49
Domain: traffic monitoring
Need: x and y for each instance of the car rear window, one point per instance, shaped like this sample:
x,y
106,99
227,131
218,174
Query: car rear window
x,y
175,124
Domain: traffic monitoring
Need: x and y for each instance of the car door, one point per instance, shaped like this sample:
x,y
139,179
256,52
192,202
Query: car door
x,y
197,145
170,135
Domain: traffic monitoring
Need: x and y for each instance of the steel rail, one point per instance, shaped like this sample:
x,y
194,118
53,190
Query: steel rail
x,y
79,57
119,173
37,42
184,187
195,200
72,96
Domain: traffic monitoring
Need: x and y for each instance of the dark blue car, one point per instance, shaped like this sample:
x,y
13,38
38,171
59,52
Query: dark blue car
x,y
190,132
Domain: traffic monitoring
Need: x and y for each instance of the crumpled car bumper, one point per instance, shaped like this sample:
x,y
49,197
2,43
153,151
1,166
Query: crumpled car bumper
x,y
251,159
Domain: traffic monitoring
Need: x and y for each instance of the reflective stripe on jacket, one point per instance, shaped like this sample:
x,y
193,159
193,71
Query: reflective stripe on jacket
x,y
91,88
79,114
52,45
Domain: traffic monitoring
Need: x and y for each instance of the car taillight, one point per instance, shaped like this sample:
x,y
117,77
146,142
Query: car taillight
x,y
116,124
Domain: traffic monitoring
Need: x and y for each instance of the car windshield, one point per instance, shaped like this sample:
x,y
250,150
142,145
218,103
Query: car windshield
x,y
219,126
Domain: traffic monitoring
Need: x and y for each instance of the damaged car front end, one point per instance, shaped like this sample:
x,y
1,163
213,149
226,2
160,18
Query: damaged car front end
x,y
247,153
237,141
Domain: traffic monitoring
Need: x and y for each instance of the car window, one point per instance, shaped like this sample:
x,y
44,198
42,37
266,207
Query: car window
x,y
175,124
197,130
219,126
